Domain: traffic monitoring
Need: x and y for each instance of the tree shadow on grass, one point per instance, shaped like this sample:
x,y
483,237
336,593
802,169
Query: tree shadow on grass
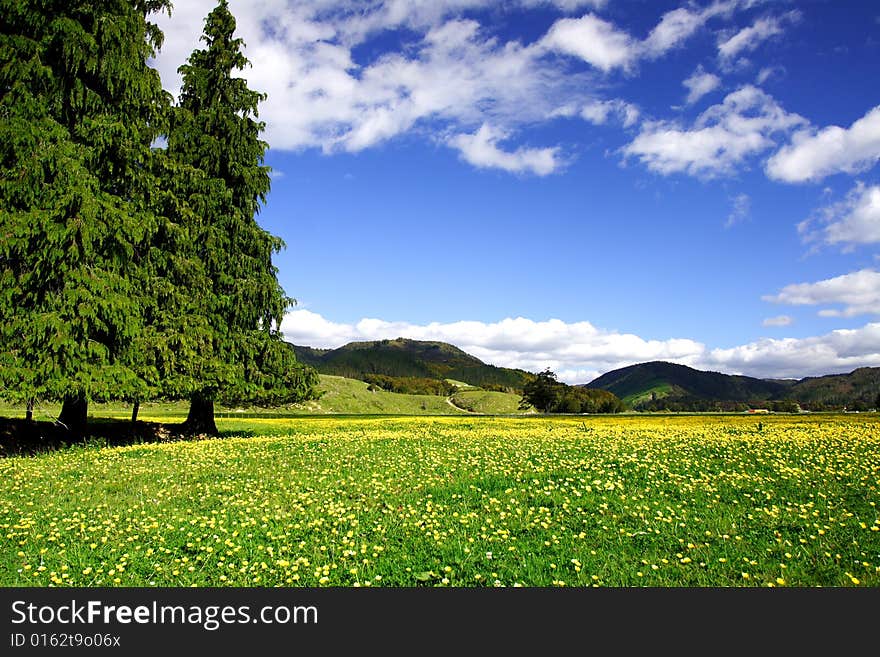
x,y
19,437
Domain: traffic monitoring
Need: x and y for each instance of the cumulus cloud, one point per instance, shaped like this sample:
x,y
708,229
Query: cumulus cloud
x,y
854,220
699,84
779,320
839,351
858,292
579,351
299,22
320,96
594,40
450,76
721,138
602,45
598,112
481,149
813,155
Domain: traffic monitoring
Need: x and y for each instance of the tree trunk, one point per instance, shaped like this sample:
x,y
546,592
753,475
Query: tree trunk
x,y
74,413
201,416
134,411
29,413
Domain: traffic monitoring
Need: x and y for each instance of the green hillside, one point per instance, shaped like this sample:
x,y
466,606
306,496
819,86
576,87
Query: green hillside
x,y
857,390
351,397
657,390
637,382
488,402
410,358
658,385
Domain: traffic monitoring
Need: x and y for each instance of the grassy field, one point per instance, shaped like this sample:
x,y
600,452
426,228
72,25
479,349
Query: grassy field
x,y
458,501
351,397
339,396
488,402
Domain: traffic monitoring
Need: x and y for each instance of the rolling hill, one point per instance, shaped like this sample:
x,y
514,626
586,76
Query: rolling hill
x,y
659,384
351,397
655,385
410,358
348,396
857,390
657,379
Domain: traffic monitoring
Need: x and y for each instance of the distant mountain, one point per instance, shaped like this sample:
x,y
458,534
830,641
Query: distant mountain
x,y
856,390
657,384
410,358
645,382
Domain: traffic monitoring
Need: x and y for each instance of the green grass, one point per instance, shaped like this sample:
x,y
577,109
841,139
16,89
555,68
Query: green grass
x,y
48,411
461,385
457,501
660,390
351,397
340,396
488,402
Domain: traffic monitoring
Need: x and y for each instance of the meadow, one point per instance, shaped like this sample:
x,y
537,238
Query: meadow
x,y
338,396
457,501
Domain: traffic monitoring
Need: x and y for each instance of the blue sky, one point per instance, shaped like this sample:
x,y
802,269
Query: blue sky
x,y
574,184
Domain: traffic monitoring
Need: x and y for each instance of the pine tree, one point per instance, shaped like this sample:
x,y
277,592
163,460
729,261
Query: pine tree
x,y
215,131
79,110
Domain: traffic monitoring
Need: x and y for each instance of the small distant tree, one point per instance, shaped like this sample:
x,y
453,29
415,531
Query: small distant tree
x,y
784,406
549,395
543,392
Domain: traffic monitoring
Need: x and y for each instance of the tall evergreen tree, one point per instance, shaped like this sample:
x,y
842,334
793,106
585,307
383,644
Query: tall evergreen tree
x,y
215,131
79,110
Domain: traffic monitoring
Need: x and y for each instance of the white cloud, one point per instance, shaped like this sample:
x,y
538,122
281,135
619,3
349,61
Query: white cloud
x,y
742,205
449,77
564,5
594,40
598,112
721,138
699,84
779,320
512,342
813,155
306,328
769,72
450,73
854,220
749,38
673,29
579,352
481,149
354,21
858,292
839,351
602,45
418,14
